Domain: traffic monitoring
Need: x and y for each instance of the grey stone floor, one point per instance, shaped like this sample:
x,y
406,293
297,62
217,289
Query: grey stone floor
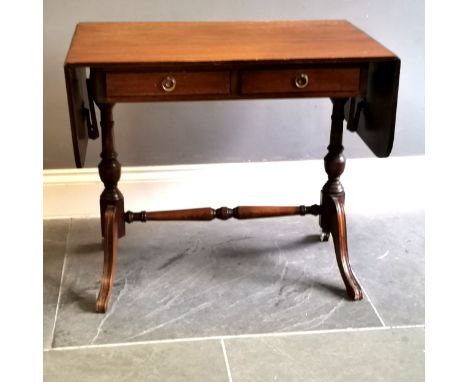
x,y
258,300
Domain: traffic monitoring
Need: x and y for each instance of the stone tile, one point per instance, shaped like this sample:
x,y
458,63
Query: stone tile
x,y
54,246
201,361
388,256
375,355
179,279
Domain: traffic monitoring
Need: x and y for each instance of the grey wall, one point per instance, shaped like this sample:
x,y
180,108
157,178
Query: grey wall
x,y
231,131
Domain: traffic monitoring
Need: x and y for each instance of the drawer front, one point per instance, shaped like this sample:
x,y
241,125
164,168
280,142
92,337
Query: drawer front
x,y
344,81
167,84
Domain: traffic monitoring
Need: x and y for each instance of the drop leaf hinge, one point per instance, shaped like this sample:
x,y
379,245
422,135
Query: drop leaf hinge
x,y
89,115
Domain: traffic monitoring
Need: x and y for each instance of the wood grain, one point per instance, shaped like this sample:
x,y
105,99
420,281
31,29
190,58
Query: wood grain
x,y
110,43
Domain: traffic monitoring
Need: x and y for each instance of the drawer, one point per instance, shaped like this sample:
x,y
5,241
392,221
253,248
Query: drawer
x,y
343,81
167,84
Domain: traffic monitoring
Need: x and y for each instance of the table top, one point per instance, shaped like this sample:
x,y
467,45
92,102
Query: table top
x,y
130,61
120,43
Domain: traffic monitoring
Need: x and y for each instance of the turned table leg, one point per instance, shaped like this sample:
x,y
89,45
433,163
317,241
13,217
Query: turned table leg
x,y
333,219
111,205
109,171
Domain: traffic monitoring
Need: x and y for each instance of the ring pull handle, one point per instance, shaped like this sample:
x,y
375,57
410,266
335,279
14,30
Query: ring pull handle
x,y
168,84
301,81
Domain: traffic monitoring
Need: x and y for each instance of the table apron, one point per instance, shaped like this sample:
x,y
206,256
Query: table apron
x,y
113,86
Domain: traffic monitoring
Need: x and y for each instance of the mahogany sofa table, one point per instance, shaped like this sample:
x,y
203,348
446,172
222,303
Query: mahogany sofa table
x,y
185,61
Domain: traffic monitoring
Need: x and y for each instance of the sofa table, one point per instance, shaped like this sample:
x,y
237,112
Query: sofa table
x,y
116,62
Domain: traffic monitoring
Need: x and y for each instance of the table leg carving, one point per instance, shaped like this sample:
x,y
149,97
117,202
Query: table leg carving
x,y
110,254
333,219
109,171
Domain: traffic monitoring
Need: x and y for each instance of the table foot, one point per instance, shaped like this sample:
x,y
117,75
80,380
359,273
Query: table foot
x,y
324,236
110,254
337,224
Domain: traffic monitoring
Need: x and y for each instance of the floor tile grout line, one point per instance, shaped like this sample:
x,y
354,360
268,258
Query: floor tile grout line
x,y
61,282
226,361
237,336
370,302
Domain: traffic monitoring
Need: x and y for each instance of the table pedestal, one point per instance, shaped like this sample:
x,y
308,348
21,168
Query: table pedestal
x,y
331,209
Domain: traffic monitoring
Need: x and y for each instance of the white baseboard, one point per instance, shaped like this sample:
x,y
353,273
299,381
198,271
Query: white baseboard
x,y
372,185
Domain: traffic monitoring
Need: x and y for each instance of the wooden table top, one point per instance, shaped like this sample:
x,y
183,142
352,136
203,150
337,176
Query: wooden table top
x,y
118,43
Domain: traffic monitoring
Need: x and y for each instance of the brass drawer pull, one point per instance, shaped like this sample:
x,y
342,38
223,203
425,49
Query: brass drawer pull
x,y
301,81
168,84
